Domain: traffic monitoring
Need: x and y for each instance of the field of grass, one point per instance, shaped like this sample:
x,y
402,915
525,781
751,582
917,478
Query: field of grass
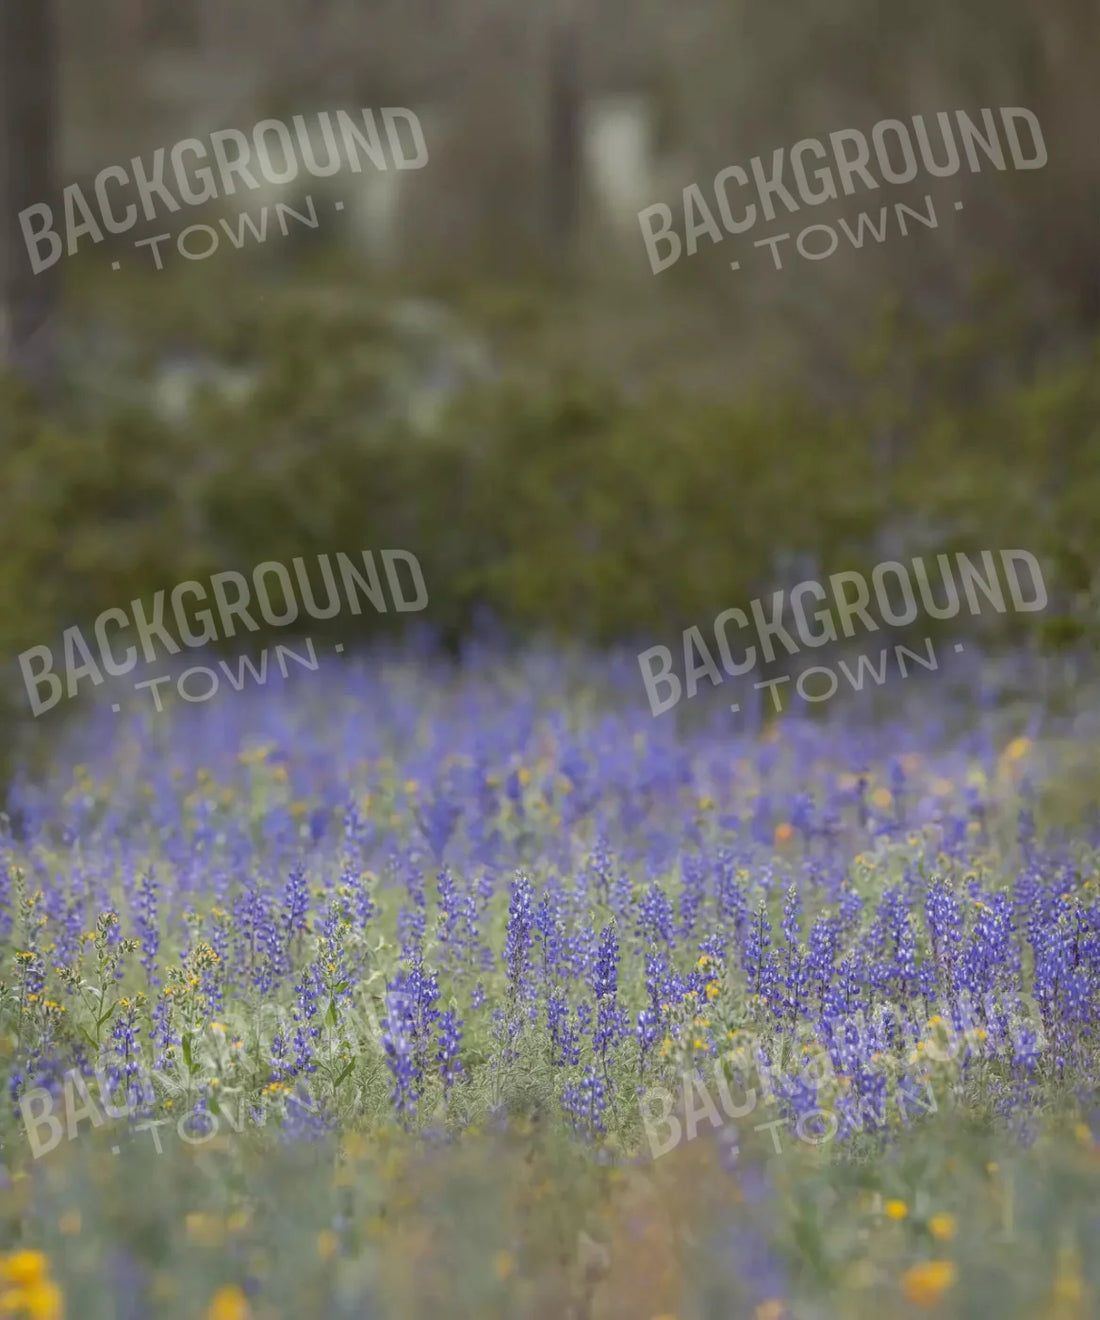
x,y
353,997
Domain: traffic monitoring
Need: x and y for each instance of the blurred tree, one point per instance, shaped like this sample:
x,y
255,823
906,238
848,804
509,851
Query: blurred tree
x,y
28,87
164,23
564,114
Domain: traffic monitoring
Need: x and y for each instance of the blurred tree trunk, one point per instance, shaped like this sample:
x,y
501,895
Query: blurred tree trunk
x,y
132,27
28,85
565,93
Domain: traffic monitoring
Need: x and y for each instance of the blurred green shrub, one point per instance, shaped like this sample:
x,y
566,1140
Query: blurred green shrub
x,y
560,505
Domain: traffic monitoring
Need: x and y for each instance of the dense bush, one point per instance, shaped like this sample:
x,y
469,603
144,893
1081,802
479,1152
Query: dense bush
x,y
557,504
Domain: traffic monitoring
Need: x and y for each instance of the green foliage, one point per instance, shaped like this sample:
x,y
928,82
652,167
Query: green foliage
x,y
560,504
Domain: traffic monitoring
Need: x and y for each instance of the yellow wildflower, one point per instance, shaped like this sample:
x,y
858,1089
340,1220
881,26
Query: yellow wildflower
x,y
24,1268
38,1301
925,1284
1017,748
942,1227
229,1304
29,1291
896,1209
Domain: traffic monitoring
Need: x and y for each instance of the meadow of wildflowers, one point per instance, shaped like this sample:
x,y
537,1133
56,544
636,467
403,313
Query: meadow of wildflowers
x,y
344,1000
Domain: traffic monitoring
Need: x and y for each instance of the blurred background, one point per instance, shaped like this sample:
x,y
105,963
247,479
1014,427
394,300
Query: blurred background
x,y
474,361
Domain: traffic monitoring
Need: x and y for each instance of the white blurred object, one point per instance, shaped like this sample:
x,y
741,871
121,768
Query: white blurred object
x,y
184,373
618,136
374,208
444,358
